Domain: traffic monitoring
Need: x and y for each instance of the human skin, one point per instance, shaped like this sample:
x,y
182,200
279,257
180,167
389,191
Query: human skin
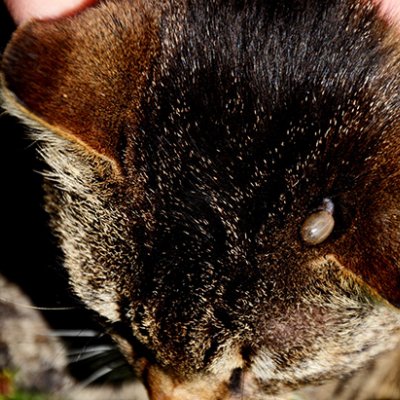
x,y
390,9
23,10
391,6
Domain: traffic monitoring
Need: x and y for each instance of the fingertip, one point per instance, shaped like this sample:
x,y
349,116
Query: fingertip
x,y
390,9
24,10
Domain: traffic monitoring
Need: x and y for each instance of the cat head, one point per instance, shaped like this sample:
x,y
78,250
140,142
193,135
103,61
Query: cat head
x,y
224,182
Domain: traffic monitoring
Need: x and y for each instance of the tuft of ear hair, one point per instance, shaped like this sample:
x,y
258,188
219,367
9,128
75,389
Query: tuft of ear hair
x,y
82,82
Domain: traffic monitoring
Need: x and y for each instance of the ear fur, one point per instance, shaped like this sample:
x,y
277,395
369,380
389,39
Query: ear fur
x,y
83,77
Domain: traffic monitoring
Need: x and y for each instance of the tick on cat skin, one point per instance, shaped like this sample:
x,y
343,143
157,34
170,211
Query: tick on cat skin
x,y
177,217
319,225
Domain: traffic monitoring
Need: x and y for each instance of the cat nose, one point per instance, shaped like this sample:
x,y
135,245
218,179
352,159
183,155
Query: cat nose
x,y
191,396
163,387
235,384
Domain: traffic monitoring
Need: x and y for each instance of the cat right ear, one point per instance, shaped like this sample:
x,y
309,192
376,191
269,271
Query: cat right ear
x,y
83,77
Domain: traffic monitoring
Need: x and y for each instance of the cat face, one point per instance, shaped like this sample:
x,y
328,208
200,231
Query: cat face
x,y
224,182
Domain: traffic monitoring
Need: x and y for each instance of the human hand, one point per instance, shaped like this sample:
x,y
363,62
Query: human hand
x,y
390,9
23,10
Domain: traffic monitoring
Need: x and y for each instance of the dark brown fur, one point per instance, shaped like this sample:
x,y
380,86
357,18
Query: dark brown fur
x,y
187,144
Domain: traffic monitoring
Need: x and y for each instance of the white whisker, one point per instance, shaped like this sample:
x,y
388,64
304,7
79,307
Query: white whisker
x,y
7,301
92,349
77,333
83,357
101,373
91,352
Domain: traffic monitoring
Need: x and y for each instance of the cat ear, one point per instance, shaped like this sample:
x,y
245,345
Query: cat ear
x,y
84,77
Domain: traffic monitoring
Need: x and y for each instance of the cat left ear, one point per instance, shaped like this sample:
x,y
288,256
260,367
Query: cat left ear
x,y
83,77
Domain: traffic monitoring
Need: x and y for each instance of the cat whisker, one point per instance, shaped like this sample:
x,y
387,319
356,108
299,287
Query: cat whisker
x,y
92,349
85,357
102,372
20,305
89,352
75,333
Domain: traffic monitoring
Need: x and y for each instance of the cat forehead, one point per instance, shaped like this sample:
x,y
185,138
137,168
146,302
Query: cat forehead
x,y
96,67
233,67
219,81
222,81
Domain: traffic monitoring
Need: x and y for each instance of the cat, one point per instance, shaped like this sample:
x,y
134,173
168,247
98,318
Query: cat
x,y
224,183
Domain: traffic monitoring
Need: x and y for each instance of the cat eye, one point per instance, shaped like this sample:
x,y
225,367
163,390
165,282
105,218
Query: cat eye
x,y
319,225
